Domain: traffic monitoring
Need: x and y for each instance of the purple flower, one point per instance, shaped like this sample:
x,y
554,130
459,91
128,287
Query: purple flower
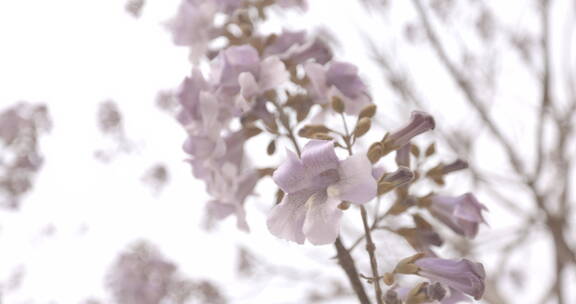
x,y
230,63
315,185
294,48
194,25
338,79
239,70
463,213
420,122
271,73
293,3
463,275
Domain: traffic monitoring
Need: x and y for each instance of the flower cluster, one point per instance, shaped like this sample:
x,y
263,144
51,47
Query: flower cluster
x,y
267,85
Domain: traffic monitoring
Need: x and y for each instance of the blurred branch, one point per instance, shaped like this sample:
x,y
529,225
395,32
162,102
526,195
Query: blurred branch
x,y
468,91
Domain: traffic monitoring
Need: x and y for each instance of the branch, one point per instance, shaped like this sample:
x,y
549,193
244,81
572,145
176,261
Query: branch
x,y
347,263
466,88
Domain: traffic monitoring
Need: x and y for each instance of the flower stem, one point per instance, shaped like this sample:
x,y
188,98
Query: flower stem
x,y
347,263
371,248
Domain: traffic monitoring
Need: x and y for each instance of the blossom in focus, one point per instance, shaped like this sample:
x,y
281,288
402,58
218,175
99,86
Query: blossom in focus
x,y
463,275
315,185
341,80
463,213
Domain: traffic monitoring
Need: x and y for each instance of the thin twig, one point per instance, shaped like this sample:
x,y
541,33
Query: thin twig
x,y
371,248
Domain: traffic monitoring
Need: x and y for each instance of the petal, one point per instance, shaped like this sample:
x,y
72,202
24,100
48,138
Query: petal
x,y
218,210
286,41
242,55
209,109
469,209
317,76
322,224
353,105
318,156
290,176
273,73
286,219
455,297
463,275
315,49
248,85
356,184
345,77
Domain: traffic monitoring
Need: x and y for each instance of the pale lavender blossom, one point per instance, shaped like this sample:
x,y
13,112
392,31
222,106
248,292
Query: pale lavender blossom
x,y
302,4
463,275
420,122
341,80
271,74
295,48
228,177
463,213
193,26
229,64
315,185
239,75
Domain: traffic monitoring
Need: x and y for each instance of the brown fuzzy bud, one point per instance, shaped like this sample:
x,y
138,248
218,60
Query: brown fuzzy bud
x,y
251,131
375,152
407,266
388,278
362,127
322,136
338,105
430,150
368,111
309,130
271,148
344,205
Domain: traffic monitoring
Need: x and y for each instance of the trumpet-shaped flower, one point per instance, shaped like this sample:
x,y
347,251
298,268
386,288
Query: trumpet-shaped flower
x,y
315,185
463,275
338,79
463,213
420,122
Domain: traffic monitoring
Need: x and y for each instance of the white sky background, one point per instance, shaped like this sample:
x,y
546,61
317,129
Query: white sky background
x,y
74,54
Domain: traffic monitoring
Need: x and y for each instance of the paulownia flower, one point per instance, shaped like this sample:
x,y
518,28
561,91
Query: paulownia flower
x,y
463,213
296,48
240,70
463,275
194,25
338,79
420,122
228,177
315,185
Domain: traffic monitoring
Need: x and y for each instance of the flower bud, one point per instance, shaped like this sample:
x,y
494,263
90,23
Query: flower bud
x,y
403,156
420,122
455,166
368,111
362,127
375,152
338,105
463,214
463,275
